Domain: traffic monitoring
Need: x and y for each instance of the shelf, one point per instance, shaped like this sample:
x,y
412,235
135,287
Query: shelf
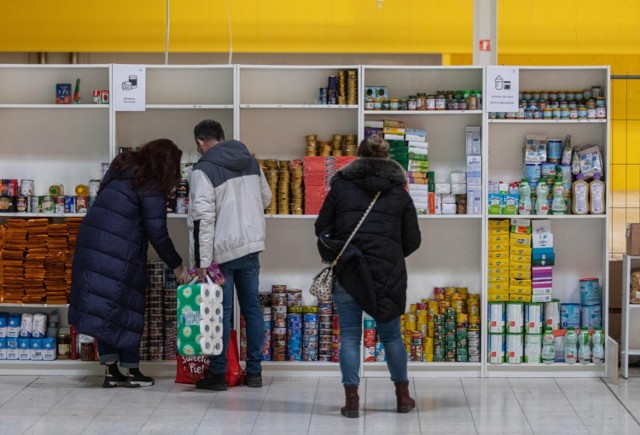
x,y
449,216
300,106
33,306
631,352
547,121
55,106
427,369
547,216
42,215
546,370
188,106
423,112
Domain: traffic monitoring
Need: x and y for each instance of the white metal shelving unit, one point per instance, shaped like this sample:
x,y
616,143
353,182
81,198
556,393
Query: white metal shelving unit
x,y
627,311
581,244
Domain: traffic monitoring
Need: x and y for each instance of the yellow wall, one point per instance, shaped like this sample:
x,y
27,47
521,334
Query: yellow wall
x,y
532,27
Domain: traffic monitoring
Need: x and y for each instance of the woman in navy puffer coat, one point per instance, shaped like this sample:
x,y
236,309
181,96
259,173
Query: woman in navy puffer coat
x,y
109,275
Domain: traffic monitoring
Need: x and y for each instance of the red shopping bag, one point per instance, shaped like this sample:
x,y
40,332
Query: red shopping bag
x,y
235,375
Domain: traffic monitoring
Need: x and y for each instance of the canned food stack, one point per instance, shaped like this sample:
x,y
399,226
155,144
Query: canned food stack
x,y
310,333
347,87
336,145
294,333
55,281
297,190
499,260
558,104
279,322
265,306
533,329
369,339
15,243
317,176
496,332
335,344
154,310
169,311
270,169
350,145
34,262
325,330
590,303
311,149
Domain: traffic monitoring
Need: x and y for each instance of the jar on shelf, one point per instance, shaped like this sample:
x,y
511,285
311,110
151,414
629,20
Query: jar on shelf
x,y
441,101
63,346
394,104
421,101
403,104
413,104
431,102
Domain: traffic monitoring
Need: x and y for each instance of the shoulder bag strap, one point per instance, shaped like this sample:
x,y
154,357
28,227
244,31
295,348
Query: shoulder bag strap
x,y
375,198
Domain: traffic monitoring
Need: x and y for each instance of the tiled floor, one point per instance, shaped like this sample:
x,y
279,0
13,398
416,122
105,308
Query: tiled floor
x,y
68,405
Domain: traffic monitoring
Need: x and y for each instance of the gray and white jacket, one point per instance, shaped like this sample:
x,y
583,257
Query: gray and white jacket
x,y
228,193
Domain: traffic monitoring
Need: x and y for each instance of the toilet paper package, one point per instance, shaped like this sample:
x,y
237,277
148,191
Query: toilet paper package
x,y
199,318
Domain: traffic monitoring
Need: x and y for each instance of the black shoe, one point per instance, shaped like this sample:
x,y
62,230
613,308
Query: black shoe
x,y
113,378
137,379
212,381
253,380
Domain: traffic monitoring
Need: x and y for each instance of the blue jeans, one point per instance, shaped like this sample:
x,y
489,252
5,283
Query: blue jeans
x,y
243,273
129,359
350,316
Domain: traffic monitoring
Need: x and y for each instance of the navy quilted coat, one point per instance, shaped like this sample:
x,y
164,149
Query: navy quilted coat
x,y
109,275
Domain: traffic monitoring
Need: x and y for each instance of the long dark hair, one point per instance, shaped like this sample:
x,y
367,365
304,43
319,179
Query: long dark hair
x,y
156,165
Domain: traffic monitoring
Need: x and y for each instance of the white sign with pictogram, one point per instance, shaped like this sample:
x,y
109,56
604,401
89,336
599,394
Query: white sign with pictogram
x,y
502,88
129,88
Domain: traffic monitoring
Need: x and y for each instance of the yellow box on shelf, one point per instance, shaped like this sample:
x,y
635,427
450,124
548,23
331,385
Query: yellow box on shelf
x,y
498,297
502,246
499,254
522,290
519,266
499,278
498,271
520,239
495,262
498,239
520,274
494,231
521,282
520,259
517,297
520,250
499,223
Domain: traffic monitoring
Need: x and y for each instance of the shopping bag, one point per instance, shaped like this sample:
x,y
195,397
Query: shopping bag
x,y
190,369
234,375
199,318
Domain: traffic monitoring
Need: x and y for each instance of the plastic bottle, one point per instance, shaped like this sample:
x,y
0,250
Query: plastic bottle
x,y
596,195
185,166
548,348
584,346
524,197
571,346
580,193
567,151
598,348
542,204
558,205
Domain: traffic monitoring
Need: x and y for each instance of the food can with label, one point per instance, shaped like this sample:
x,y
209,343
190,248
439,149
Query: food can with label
x,y
48,204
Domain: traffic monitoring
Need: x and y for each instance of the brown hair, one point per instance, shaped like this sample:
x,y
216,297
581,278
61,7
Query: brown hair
x,y
373,146
157,165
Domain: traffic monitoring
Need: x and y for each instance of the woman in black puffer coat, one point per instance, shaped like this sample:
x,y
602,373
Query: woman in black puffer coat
x,y
109,273
371,274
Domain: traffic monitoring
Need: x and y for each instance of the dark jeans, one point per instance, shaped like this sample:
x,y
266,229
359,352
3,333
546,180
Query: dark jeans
x,y
128,359
243,273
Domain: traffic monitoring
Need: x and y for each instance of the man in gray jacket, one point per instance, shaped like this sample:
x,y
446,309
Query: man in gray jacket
x,y
227,198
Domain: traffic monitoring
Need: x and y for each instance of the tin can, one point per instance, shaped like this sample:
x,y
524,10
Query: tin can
x,y
48,204
496,317
82,204
69,204
552,314
104,96
94,186
514,317
533,318
56,190
26,187
322,95
22,204
96,96
59,205
35,202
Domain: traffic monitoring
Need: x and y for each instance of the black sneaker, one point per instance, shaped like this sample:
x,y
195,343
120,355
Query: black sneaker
x,y
212,381
112,381
253,380
137,379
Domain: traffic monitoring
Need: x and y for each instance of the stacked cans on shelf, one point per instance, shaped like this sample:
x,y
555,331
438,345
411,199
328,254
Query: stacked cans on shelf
x,y
445,329
341,89
310,334
160,333
265,305
285,181
325,330
279,322
294,325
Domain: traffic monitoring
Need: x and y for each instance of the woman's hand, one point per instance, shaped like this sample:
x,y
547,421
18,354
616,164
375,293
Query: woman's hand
x,y
181,274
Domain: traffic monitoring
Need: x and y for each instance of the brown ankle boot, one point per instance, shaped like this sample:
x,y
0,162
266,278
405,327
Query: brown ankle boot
x,y
404,400
351,409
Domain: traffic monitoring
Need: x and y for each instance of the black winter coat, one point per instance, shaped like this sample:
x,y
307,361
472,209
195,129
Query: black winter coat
x,y
388,235
109,274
